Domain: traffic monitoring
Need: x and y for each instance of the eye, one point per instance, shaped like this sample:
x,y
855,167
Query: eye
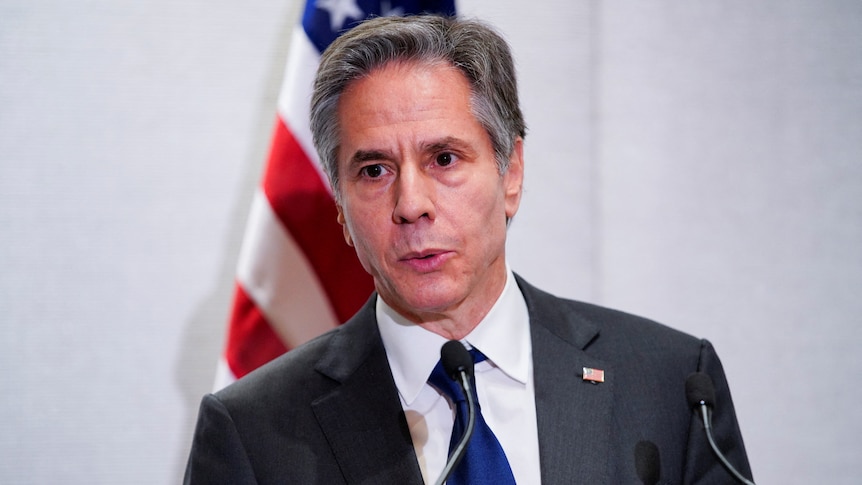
x,y
372,171
445,159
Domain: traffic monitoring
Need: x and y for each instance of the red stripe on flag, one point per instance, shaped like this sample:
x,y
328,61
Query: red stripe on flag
x,y
303,204
251,342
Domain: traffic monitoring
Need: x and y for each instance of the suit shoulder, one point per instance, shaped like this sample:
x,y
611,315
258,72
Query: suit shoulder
x,y
586,323
311,369
287,376
611,320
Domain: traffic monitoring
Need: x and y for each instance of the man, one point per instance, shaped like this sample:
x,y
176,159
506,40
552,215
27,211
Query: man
x,y
419,129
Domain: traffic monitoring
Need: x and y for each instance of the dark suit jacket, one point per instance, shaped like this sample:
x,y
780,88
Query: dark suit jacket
x,y
328,412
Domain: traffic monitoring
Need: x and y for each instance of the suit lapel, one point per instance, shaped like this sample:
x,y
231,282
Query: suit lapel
x,y
574,416
363,421
362,416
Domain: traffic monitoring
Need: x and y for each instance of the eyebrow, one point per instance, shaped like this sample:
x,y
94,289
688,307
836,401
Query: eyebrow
x,y
368,156
449,142
446,143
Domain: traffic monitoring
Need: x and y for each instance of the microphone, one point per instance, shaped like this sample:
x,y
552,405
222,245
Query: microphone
x,y
647,462
700,392
458,365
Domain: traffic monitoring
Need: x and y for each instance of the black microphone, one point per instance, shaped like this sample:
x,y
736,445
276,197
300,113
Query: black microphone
x,y
458,365
647,462
700,392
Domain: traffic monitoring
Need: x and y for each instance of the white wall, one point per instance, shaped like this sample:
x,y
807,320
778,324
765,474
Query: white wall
x,y
694,162
131,136
730,136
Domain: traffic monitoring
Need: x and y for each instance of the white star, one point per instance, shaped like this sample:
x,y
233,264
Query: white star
x,y
340,11
387,11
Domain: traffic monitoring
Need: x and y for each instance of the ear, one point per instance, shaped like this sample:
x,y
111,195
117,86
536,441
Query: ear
x,y
513,179
341,220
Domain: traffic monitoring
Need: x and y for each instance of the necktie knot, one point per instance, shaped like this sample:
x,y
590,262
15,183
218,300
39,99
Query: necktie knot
x,y
484,461
477,356
450,387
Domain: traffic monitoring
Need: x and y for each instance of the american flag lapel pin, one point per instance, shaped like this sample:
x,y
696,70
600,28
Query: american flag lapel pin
x,y
594,375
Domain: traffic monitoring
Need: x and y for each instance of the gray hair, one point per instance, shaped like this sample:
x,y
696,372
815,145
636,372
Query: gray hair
x,y
473,47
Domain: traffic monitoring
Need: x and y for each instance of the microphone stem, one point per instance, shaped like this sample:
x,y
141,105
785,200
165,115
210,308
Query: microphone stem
x,y
707,424
458,451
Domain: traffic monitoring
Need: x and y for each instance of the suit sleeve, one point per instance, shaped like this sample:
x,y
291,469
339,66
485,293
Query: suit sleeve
x,y
217,455
701,464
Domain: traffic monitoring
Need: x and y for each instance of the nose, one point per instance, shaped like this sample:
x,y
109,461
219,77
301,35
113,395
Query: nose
x,y
414,196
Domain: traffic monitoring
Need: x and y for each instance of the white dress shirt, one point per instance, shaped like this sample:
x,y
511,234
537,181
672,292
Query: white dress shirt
x,y
504,383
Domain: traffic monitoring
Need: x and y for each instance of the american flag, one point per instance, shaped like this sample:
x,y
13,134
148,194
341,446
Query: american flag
x,y
296,277
594,375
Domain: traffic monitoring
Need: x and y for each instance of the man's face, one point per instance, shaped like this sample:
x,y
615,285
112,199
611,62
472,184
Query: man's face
x,y
421,198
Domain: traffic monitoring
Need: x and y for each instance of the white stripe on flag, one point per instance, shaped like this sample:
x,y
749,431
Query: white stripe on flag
x,y
276,276
294,101
224,376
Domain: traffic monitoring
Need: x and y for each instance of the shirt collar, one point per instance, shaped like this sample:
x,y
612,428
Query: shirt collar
x,y
503,336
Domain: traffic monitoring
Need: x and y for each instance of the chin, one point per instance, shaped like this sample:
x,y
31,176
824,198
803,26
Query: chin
x,y
422,299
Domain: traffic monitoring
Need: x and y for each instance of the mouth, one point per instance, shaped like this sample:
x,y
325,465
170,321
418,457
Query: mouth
x,y
426,260
427,254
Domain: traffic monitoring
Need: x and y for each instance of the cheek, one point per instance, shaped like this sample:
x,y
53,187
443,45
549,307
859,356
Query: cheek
x,y
366,236
365,256
484,205
477,218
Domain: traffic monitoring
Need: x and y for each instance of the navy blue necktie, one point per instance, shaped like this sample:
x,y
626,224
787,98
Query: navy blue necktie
x,y
484,461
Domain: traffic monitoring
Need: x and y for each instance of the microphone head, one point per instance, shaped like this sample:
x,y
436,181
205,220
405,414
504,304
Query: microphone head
x,y
455,358
699,389
647,462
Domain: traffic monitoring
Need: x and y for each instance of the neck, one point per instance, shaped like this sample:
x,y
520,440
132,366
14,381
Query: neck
x,y
457,321
449,329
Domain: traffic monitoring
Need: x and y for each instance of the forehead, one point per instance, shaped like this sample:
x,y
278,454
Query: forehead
x,y
408,80
402,68
399,95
